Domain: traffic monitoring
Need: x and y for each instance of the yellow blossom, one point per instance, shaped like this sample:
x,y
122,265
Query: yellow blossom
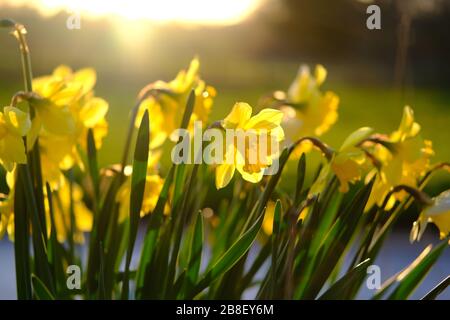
x,y
14,124
248,162
61,199
438,213
168,102
7,207
307,110
64,114
405,158
348,163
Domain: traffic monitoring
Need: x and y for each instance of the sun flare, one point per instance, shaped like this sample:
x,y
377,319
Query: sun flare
x,y
206,12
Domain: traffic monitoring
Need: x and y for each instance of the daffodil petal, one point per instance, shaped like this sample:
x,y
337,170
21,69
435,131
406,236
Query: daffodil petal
x,y
93,112
238,116
320,74
18,120
266,119
224,173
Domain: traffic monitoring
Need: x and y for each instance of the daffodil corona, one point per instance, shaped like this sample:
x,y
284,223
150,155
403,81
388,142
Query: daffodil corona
x,y
247,159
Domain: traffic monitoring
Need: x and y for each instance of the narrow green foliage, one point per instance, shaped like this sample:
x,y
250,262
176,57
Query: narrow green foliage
x,y
340,289
138,178
40,290
276,230
415,273
436,291
229,258
21,243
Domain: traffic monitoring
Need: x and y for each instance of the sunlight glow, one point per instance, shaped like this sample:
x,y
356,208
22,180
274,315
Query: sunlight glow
x,y
203,12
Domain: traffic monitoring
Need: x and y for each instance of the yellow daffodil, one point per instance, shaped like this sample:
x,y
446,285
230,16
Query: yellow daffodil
x,y
307,110
249,162
438,213
67,110
168,102
6,215
14,124
405,158
61,199
7,208
348,163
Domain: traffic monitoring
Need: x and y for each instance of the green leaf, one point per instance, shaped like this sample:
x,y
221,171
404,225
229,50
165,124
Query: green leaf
x,y
437,290
277,218
101,224
138,178
301,170
93,164
340,289
189,109
40,290
151,237
101,275
21,242
55,254
416,272
179,182
230,257
335,243
195,255
275,242
42,266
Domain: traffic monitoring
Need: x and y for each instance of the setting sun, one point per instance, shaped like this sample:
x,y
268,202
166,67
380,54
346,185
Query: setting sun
x,y
212,12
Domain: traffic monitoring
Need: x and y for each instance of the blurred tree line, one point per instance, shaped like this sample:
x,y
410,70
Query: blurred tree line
x,y
335,32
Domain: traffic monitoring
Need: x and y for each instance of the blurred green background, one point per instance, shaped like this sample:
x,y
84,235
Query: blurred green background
x,y
375,72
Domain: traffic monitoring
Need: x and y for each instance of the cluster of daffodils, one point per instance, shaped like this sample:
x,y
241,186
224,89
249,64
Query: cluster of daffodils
x,y
167,101
65,112
56,121
64,107
400,158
